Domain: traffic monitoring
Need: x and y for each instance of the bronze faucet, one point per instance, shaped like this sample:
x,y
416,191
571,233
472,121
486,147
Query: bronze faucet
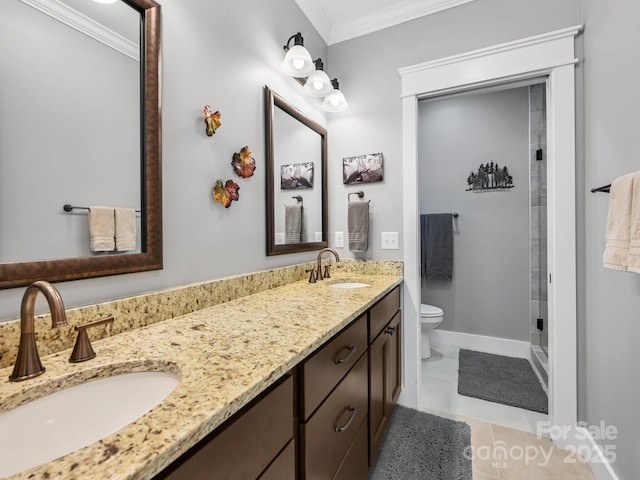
x,y
28,363
319,274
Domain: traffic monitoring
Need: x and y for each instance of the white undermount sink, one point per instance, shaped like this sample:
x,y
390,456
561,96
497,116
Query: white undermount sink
x,y
349,285
67,420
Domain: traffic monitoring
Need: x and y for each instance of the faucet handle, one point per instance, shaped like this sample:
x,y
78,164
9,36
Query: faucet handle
x,y
312,276
82,350
326,271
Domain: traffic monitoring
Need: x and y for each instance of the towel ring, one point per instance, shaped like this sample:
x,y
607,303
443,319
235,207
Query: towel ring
x,y
360,194
299,198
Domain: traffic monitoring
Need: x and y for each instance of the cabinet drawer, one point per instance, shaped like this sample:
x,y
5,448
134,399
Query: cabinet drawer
x,y
355,464
284,466
382,312
322,372
244,447
330,431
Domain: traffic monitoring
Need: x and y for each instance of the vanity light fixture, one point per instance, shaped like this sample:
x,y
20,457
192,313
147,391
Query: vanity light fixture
x,y
297,62
318,83
310,74
335,101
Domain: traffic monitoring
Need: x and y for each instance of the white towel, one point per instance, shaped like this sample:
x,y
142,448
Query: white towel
x,y
125,232
358,226
619,223
102,229
293,223
633,257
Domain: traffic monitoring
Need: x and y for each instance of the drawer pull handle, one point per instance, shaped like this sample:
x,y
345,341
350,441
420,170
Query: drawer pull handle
x,y
390,330
352,349
346,425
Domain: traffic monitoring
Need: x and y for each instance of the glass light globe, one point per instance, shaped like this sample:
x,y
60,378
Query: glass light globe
x,y
297,62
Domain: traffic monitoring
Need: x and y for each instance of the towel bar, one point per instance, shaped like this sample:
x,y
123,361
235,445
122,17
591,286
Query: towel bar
x,y
67,207
360,194
604,188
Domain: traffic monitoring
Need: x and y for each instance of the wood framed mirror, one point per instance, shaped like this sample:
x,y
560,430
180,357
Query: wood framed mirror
x,y
296,151
144,161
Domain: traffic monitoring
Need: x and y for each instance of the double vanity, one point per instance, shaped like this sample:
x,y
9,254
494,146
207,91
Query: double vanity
x,y
296,381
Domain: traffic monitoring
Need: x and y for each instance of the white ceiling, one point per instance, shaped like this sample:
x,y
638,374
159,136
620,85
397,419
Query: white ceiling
x,y
339,20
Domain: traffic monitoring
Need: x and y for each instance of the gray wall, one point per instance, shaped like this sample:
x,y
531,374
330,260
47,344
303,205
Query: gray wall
x,y
489,292
367,69
610,303
222,56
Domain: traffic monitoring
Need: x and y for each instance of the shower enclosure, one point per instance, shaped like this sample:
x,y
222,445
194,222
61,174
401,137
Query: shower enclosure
x,y
538,306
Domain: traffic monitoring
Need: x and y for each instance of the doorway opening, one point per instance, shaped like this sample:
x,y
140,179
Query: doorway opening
x,y
482,155
551,55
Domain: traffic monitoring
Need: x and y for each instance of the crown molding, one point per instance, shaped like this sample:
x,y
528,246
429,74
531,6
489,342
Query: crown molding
x,y
337,32
80,22
318,18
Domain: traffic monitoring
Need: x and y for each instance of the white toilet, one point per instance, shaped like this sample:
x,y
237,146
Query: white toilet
x,y
430,318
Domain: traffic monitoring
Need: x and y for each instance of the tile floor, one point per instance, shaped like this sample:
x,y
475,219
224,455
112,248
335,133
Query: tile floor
x,y
503,439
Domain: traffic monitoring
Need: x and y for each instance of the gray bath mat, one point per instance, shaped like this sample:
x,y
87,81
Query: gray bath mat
x,y
419,446
500,379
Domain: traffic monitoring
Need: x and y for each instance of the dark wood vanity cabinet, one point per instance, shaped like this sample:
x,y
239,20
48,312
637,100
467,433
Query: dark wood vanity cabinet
x,y
323,421
256,443
385,361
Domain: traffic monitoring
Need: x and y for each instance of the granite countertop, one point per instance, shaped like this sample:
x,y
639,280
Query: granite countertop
x,y
225,356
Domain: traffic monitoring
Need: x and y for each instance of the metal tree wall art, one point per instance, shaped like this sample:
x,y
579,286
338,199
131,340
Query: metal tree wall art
x,y
489,177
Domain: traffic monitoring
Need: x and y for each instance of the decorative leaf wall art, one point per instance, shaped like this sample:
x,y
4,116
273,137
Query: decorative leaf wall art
x,y
243,163
227,193
212,120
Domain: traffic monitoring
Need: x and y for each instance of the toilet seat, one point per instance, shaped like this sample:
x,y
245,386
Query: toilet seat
x,y
429,311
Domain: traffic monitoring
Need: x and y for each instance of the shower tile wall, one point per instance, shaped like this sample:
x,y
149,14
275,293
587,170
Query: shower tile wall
x,y
538,215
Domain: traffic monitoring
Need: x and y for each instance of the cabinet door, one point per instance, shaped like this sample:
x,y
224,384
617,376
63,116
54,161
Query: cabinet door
x,y
378,415
394,367
243,448
385,381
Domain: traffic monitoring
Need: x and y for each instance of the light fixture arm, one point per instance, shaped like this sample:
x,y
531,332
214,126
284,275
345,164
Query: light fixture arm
x,y
298,40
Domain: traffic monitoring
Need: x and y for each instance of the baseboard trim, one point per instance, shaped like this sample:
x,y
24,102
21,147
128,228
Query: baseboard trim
x,y
481,343
584,444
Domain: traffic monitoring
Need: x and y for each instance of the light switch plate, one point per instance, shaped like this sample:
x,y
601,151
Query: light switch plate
x,y
390,241
338,239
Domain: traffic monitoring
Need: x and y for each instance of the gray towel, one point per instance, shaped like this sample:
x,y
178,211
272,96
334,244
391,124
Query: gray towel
x,y
436,238
292,223
358,226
